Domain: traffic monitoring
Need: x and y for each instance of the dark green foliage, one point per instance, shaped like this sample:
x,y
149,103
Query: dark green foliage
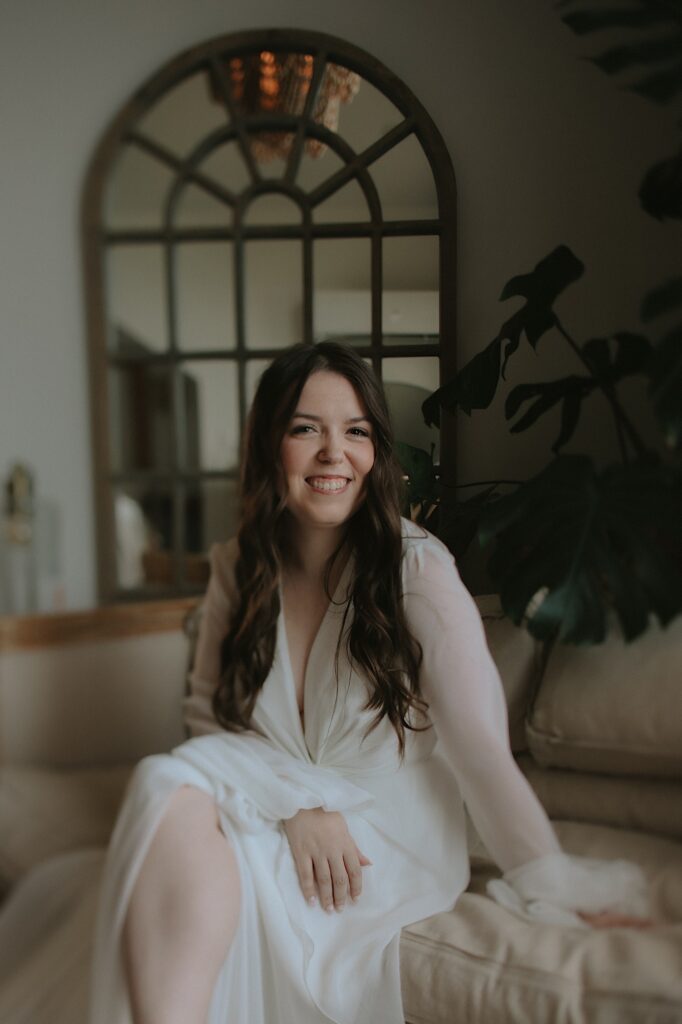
x,y
475,385
661,190
422,477
656,26
459,521
665,378
585,540
663,299
569,391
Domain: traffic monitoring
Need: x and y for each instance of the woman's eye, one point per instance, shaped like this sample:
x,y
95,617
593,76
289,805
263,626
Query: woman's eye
x,y
359,432
302,428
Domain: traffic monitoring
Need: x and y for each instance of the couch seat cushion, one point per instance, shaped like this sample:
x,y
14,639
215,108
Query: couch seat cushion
x,y
481,962
46,811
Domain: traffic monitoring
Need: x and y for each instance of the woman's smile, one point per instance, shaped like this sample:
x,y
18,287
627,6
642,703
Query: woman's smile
x,y
328,484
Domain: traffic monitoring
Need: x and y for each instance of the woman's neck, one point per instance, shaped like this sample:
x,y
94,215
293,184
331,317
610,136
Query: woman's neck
x,y
311,549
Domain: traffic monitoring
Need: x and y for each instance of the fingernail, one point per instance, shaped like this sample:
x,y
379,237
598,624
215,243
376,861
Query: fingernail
x,y
354,899
311,901
340,907
329,908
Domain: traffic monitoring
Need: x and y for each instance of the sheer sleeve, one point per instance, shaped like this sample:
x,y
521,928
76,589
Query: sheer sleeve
x,y
460,681
216,610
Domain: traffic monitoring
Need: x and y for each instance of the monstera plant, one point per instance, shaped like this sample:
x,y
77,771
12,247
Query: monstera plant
x,y
576,541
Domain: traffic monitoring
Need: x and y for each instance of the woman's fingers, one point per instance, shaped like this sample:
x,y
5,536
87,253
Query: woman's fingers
x,y
323,877
365,862
339,881
306,878
352,863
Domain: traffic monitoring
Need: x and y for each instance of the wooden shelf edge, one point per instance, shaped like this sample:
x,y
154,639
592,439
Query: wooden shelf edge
x,y
110,622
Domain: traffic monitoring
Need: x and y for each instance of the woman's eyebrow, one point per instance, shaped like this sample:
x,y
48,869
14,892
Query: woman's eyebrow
x,y
318,419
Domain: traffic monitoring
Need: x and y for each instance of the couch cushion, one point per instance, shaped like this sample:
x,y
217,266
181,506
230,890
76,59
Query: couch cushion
x,y
44,812
648,804
614,707
481,962
90,703
516,656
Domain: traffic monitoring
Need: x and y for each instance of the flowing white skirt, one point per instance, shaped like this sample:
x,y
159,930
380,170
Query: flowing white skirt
x,y
289,962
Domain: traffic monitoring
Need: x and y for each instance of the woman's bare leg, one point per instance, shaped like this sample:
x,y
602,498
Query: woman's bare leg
x,y
182,915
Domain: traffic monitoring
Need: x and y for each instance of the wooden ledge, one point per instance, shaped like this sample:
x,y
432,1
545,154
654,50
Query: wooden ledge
x,y
111,622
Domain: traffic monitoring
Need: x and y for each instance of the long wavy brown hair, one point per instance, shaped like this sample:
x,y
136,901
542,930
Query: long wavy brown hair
x,y
378,640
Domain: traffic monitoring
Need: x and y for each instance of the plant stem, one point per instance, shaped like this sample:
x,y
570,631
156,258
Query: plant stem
x,y
624,426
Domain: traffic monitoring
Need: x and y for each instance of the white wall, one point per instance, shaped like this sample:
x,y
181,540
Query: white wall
x,y
546,150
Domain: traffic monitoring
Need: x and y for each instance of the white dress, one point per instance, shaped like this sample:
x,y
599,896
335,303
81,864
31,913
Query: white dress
x,y
291,962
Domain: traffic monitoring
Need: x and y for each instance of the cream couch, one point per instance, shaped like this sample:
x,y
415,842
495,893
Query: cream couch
x,y
599,735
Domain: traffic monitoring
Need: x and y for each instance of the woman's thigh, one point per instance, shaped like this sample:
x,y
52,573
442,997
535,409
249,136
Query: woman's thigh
x,y
189,874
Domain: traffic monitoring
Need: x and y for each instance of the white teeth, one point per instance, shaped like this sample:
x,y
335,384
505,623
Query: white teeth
x,y
320,484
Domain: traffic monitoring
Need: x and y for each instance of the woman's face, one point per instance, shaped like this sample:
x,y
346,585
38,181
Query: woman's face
x,y
327,452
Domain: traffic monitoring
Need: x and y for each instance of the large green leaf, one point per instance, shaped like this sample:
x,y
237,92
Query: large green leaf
x,y
661,190
475,384
609,362
576,542
568,391
644,51
666,386
596,17
663,299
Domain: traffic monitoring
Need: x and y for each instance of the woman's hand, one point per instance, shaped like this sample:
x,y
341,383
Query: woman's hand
x,y
327,860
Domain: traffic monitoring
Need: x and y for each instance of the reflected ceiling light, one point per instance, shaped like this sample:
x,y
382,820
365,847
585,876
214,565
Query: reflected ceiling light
x,y
272,83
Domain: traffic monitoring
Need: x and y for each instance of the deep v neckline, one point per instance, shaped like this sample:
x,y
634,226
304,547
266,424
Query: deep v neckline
x,y
334,605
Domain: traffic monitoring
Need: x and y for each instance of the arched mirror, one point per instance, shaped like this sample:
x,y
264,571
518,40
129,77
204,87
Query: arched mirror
x,y
261,189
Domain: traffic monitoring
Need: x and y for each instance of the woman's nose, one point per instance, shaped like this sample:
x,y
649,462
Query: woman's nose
x,y
330,450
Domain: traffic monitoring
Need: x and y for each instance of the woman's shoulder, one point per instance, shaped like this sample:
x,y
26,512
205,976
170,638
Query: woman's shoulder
x,y
421,547
223,558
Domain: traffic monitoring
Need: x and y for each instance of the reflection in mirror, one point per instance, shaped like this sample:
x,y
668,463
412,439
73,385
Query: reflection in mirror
x,y
182,118
370,116
211,512
272,208
211,415
137,191
226,165
140,403
343,263
143,517
411,264
196,207
403,176
137,297
315,168
407,383
273,273
205,305
346,204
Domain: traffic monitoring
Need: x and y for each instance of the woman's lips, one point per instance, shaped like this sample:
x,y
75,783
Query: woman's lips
x,y
327,484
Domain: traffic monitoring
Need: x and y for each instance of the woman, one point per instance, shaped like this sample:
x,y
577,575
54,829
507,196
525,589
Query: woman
x,y
262,871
